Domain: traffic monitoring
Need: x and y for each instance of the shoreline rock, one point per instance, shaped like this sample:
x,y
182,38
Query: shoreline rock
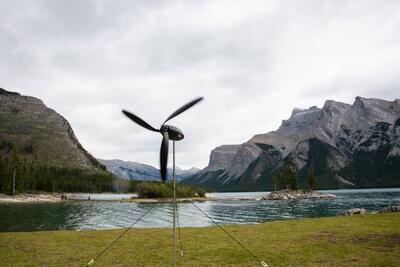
x,y
392,208
355,211
296,194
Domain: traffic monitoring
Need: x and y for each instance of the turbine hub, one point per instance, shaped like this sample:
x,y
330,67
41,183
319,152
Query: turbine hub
x,y
174,133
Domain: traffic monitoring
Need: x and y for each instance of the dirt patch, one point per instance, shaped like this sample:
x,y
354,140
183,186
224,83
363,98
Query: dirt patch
x,y
324,235
384,240
387,240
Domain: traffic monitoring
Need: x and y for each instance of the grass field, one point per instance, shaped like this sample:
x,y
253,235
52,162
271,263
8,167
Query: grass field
x,y
362,240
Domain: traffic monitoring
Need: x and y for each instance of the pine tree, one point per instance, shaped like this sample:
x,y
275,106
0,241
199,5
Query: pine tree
x,y
7,176
290,176
311,179
18,182
2,174
14,166
277,180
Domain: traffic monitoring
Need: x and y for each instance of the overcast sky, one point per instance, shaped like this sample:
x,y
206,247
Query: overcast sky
x,y
253,61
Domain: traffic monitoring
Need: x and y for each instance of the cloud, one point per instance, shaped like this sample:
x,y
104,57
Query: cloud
x,y
252,61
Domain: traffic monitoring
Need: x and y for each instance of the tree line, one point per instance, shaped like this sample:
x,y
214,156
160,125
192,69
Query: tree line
x,y
20,172
286,178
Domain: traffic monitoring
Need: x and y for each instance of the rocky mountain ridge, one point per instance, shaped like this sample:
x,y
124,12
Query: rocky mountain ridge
x,y
335,140
40,152
139,171
40,133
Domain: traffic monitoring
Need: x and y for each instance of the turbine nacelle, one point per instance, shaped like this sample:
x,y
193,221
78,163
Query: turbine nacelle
x,y
174,133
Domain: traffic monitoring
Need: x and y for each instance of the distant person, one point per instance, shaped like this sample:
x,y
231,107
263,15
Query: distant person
x,y
88,198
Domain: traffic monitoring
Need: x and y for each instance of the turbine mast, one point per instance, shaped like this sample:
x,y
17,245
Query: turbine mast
x,y
174,207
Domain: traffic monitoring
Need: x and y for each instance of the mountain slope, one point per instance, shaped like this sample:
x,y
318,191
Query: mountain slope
x,y
354,145
139,171
40,132
39,151
131,170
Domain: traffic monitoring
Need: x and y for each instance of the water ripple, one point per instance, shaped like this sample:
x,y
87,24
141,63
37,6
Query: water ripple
x,y
231,208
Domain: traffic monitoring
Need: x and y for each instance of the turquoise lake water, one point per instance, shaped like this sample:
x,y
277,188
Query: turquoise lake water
x,y
230,208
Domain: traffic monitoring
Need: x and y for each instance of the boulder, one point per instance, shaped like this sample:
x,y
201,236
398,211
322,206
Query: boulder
x,y
355,211
393,208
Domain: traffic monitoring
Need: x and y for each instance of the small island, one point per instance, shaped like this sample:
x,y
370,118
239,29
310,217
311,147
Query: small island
x,y
163,192
297,194
285,180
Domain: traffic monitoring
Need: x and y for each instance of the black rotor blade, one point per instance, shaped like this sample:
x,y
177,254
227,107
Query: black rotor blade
x,y
164,156
183,108
139,121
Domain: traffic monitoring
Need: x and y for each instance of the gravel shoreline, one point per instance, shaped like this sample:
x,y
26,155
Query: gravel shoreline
x,y
28,198
297,194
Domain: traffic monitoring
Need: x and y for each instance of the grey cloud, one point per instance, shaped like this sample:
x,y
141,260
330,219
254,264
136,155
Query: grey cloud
x,y
253,62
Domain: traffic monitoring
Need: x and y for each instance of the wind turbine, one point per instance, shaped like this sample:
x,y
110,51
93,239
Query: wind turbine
x,y
172,133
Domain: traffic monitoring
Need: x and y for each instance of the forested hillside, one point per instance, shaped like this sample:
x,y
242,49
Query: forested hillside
x,y
39,151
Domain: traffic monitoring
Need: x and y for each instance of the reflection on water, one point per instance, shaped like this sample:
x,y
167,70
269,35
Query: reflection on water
x,y
102,196
230,208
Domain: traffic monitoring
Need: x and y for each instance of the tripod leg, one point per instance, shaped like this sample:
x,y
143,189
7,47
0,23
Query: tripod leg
x,y
179,231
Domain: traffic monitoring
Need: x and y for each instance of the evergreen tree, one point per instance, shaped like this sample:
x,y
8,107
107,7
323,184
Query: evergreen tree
x,y
311,179
290,176
14,168
2,174
277,180
33,174
18,182
5,176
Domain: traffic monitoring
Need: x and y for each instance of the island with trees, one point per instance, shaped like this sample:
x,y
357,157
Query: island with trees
x,y
285,184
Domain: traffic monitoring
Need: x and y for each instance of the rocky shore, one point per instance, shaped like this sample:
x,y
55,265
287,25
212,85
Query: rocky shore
x,y
56,197
355,211
296,194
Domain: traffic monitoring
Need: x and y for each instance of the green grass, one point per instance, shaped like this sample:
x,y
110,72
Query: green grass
x,y
363,240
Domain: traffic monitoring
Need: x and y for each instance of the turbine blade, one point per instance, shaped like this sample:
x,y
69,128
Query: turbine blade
x,y
139,121
183,108
164,156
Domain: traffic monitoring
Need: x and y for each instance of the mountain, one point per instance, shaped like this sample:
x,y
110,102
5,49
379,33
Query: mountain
x,y
40,132
39,145
139,171
184,174
346,145
131,170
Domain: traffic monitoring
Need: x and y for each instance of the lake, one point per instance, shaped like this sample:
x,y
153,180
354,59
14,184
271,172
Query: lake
x,y
230,208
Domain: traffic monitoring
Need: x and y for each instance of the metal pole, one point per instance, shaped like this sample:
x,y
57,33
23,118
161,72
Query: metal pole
x,y
13,187
173,221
